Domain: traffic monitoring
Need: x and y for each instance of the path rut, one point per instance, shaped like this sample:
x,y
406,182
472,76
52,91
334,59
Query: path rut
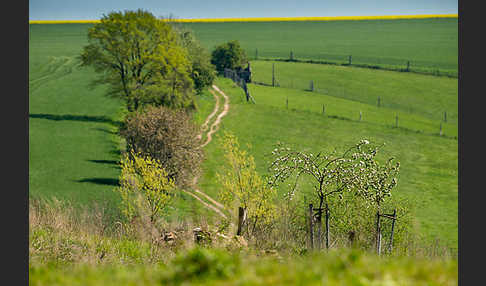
x,y
213,204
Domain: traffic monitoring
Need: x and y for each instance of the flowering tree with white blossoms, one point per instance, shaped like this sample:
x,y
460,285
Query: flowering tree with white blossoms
x,y
333,174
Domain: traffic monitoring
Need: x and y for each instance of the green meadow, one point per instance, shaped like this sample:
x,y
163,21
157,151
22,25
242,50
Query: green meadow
x,y
424,97
73,146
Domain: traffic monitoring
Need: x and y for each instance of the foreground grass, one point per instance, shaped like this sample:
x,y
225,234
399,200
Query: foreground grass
x,y
71,249
213,267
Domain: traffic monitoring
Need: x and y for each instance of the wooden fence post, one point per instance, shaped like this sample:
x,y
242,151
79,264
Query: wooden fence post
x,y
291,56
390,247
378,233
349,60
323,109
408,66
241,218
311,85
360,115
311,226
319,228
327,226
273,74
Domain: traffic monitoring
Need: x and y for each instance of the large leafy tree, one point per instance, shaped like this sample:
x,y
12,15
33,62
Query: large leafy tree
x,y
140,58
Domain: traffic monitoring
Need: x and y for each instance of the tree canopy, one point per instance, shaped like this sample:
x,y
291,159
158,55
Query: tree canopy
x,y
202,70
141,59
229,55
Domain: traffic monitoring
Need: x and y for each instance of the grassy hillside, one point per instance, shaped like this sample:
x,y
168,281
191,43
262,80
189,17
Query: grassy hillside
x,y
73,150
404,93
428,162
73,146
427,43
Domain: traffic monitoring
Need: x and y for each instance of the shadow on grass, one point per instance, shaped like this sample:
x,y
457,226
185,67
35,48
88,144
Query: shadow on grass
x,y
71,117
100,181
113,162
107,162
106,131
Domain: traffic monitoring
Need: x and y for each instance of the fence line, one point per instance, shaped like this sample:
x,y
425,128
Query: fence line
x,y
401,65
240,78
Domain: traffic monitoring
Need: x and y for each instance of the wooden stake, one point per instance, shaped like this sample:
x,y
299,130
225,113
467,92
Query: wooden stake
x,y
360,115
241,217
390,247
319,228
311,226
273,74
327,226
378,233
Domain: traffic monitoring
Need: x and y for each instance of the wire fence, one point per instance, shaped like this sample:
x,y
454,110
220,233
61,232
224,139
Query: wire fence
x,y
240,78
393,64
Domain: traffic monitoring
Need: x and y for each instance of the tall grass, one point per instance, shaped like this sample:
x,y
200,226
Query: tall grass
x,y
83,249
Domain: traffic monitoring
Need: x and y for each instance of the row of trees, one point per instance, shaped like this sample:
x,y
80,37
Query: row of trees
x,y
157,67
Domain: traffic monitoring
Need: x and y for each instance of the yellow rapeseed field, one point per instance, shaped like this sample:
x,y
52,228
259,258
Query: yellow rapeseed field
x,y
270,19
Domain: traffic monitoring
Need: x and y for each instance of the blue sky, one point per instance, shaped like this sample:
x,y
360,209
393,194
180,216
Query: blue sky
x,y
94,9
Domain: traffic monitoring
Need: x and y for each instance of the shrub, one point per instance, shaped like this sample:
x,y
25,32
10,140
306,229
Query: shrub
x,y
144,185
168,136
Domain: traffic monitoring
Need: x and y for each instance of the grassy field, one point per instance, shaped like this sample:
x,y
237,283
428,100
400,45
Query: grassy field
x,y
404,93
73,151
427,43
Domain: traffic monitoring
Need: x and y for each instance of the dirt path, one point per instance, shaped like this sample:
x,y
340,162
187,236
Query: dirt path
x,y
215,125
206,204
211,203
204,126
